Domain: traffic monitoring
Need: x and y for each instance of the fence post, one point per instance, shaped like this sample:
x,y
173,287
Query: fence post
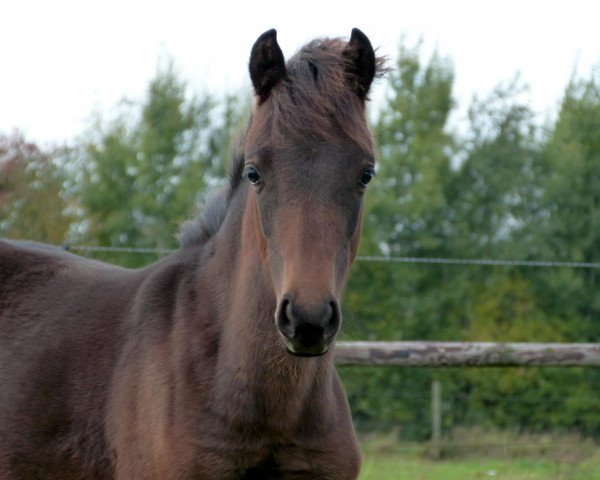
x,y
436,419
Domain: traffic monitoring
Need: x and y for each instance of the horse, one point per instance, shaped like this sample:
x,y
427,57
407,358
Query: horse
x,y
215,362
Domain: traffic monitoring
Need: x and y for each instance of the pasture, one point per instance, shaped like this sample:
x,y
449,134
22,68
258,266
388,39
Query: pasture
x,y
519,458
394,467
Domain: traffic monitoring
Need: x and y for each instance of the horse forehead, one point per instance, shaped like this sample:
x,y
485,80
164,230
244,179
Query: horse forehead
x,y
320,157
307,182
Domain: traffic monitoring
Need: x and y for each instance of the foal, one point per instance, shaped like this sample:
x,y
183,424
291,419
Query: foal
x,y
215,362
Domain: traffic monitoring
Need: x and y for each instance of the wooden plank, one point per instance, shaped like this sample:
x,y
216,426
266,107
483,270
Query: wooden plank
x,y
468,354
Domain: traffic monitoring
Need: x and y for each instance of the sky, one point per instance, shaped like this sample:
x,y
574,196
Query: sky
x,y
63,59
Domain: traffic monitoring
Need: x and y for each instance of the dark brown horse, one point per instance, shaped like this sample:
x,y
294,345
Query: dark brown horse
x,y
215,362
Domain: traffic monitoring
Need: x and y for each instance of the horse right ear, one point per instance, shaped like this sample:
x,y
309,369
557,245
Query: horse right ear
x,y
362,62
267,65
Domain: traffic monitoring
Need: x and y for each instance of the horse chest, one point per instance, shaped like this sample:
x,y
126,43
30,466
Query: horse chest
x,y
216,455
277,465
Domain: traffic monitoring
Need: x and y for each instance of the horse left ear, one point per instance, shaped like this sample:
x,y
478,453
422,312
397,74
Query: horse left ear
x,y
361,62
267,65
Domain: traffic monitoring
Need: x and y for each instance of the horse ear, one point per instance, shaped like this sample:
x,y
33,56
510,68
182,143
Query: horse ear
x,y
267,65
361,62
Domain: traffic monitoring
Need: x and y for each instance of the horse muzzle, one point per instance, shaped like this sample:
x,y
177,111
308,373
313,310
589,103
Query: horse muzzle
x,y
308,331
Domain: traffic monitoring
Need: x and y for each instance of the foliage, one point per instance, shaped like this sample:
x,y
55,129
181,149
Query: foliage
x,y
500,190
140,175
407,213
32,204
570,228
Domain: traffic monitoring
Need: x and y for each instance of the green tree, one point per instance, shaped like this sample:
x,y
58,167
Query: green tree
x,y
406,215
490,194
570,227
32,204
141,174
407,209
499,181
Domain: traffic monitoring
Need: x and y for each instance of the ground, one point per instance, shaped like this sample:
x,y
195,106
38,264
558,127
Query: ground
x,y
406,462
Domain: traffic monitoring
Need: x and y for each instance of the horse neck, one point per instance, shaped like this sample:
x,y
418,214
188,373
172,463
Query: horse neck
x,y
252,361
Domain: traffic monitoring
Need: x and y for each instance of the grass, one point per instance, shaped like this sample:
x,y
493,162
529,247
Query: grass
x,y
519,459
396,467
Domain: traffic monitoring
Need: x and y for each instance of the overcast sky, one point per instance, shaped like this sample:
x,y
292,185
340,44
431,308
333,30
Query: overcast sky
x,y
61,59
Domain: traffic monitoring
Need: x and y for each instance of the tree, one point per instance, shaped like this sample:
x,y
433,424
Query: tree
x,y
498,184
495,192
407,209
32,204
569,230
406,215
141,174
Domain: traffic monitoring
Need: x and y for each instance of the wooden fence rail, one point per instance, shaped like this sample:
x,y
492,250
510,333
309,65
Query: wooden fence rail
x,y
468,354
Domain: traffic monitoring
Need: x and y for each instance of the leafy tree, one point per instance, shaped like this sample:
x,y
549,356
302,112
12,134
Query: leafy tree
x,y
495,193
568,229
505,308
570,226
32,204
407,209
498,184
141,174
406,215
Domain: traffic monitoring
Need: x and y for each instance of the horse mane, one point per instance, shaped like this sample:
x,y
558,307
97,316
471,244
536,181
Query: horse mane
x,y
314,101
212,210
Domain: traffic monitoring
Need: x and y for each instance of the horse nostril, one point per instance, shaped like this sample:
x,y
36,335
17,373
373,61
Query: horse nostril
x,y
333,324
289,314
284,318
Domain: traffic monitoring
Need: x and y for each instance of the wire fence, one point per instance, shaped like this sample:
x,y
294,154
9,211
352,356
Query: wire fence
x,y
92,249
380,259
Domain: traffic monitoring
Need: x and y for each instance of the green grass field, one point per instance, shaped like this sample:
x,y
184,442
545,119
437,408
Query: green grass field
x,y
397,467
519,458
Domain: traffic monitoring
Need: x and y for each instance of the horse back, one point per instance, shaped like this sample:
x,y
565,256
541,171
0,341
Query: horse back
x,y
45,289
60,321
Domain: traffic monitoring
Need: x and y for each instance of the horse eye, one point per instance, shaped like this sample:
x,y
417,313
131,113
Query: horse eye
x,y
253,175
366,177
